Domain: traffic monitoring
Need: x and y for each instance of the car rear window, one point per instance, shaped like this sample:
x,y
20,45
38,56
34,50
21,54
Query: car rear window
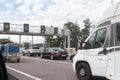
x,y
58,49
35,47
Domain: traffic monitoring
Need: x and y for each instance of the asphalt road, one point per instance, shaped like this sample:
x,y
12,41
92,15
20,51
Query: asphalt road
x,y
34,68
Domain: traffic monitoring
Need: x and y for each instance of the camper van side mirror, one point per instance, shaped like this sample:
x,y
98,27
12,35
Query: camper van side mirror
x,y
105,51
81,43
84,45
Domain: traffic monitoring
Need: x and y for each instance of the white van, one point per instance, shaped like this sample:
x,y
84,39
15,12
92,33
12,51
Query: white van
x,y
100,53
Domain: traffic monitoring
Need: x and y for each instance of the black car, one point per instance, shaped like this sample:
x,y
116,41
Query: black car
x,y
71,57
54,53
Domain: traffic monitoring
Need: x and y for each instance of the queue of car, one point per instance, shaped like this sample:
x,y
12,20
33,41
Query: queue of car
x,y
51,53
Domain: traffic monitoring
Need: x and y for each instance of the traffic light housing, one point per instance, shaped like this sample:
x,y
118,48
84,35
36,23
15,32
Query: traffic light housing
x,y
26,27
6,26
55,30
42,29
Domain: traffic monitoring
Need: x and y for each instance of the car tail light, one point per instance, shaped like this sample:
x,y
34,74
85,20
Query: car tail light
x,y
8,59
57,52
18,59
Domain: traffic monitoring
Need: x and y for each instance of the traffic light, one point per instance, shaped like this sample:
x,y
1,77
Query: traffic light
x,y
6,26
26,27
42,29
55,30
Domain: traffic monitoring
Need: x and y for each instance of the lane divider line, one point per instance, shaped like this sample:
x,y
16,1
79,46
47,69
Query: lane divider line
x,y
46,60
23,73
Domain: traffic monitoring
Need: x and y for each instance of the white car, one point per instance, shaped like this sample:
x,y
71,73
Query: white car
x,y
32,51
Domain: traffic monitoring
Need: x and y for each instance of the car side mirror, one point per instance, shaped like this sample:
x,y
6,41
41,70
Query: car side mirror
x,y
81,43
105,51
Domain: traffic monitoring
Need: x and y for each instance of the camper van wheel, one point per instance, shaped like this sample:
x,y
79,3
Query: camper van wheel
x,y
83,71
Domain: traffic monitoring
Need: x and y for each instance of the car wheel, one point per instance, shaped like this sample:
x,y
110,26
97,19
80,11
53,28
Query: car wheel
x,y
83,72
41,56
64,58
23,54
51,57
38,54
29,54
18,60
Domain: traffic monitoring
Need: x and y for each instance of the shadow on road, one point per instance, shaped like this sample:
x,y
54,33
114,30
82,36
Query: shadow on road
x,y
99,78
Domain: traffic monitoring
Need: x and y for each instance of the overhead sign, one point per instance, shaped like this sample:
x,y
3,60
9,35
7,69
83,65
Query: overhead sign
x,y
55,30
26,27
42,29
6,26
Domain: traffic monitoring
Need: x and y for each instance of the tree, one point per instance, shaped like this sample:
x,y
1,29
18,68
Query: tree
x,y
4,41
74,33
84,34
87,24
86,31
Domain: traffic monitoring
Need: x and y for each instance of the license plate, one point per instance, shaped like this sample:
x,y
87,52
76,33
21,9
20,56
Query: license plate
x,y
63,55
13,59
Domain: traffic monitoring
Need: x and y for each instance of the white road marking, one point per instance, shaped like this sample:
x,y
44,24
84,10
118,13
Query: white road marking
x,y
46,60
23,73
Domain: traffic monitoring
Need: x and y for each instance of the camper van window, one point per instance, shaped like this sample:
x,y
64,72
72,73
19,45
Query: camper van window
x,y
91,41
100,38
117,43
97,39
118,32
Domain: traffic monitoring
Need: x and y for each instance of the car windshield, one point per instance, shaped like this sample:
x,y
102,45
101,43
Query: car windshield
x,y
35,47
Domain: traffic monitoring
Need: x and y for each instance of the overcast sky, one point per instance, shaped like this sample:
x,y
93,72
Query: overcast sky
x,y
52,12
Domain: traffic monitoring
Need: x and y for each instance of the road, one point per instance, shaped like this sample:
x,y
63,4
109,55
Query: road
x,y
34,68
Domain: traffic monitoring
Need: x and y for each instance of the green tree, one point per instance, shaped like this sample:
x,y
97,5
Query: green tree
x,y
74,33
48,41
86,31
4,40
87,24
58,42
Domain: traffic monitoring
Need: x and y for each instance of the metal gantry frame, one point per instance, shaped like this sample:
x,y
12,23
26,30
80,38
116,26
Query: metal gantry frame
x,y
17,29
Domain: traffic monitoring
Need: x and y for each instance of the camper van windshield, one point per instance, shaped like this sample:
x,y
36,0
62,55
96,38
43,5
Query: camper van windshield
x,y
97,39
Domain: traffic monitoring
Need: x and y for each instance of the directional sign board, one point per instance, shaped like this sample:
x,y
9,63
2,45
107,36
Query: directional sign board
x,y
42,29
26,27
55,30
6,26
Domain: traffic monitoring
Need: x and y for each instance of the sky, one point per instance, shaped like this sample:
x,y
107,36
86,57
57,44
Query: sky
x,y
51,12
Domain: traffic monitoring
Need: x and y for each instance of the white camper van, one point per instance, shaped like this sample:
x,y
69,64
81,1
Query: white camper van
x,y
100,53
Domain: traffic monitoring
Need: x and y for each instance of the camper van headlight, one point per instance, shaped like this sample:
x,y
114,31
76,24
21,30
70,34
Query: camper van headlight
x,y
110,75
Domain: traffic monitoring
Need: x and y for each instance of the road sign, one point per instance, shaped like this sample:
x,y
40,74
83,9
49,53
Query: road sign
x,y
6,26
26,27
55,30
42,29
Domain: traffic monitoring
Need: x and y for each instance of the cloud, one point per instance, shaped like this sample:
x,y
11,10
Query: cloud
x,y
9,5
57,12
52,12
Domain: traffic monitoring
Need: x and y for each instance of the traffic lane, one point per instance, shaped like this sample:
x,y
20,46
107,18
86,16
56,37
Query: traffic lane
x,y
60,59
18,75
45,69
